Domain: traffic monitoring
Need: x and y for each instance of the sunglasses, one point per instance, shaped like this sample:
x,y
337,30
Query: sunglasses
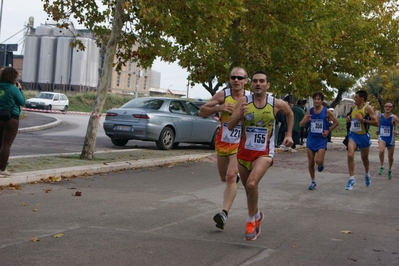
x,y
237,77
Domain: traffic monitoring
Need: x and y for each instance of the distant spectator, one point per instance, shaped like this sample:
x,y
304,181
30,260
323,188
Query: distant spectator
x,y
299,113
11,98
331,122
304,130
282,121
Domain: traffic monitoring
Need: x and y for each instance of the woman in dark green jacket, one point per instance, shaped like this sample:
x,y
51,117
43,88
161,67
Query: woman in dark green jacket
x,y
11,98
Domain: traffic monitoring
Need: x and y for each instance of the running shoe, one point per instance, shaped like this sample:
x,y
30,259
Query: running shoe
x,y
220,219
258,222
389,174
381,170
367,180
250,231
312,186
5,173
320,167
350,184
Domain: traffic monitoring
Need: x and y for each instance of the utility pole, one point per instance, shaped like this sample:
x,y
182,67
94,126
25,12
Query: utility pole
x,y
1,13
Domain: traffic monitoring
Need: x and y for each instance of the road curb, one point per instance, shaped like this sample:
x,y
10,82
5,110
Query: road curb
x,y
35,176
42,127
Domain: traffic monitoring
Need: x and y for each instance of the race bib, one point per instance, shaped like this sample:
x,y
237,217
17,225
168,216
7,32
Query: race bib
x,y
232,136
316,125
355,125
385,131
256,138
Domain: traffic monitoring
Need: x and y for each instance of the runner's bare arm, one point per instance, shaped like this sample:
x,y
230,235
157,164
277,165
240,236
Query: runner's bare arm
x,y
305,119
395,122
373,118
238,113
213,106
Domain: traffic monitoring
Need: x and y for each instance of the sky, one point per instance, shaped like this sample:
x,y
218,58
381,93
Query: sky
x,y
15,16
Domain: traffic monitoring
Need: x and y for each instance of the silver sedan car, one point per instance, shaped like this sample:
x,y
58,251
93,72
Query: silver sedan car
x,y
167,121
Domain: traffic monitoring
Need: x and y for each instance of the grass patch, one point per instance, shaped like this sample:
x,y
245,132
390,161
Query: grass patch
x,y
45,162
340,130
84,102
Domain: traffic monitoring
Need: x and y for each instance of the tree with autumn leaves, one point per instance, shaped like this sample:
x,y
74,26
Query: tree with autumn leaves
x,y
382,84
305,46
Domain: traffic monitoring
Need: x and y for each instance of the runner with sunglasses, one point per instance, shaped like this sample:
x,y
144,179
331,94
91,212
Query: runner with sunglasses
x,y
227,140
387,122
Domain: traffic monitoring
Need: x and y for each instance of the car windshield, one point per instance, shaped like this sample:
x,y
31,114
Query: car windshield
x,y
144,103
43,95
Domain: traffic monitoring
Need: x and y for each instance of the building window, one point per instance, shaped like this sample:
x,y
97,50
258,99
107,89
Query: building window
x,y
129,77
145,83
118,79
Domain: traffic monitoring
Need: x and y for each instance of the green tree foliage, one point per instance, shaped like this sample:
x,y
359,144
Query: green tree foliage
x,y
383,86
299,43
302,43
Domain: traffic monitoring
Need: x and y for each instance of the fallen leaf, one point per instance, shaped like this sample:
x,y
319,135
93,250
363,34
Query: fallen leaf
x,y
55,179
35,239
35,210
47,190
58,235
294,246
78,194
23,203
347,232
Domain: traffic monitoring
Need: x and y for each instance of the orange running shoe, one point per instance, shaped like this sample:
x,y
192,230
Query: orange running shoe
x,y
250,232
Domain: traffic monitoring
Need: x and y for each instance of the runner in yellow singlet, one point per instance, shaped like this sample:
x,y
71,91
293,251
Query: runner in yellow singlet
x,y
256,113
361,118
227,141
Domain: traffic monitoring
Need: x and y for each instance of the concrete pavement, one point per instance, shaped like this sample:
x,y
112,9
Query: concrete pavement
x,y
163,216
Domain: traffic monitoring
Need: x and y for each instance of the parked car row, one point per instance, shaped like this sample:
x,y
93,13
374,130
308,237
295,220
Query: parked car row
x,y
167,121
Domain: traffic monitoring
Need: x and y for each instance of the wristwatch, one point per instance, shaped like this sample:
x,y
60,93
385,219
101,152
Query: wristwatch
x,y
363,120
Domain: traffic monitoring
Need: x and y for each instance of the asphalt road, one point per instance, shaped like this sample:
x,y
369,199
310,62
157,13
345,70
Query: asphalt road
x,y
163,216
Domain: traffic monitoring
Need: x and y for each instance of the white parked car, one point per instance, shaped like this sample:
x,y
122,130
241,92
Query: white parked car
x,y
48,101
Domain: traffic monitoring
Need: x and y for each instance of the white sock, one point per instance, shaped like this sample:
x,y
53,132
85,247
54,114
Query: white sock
x,y
251,219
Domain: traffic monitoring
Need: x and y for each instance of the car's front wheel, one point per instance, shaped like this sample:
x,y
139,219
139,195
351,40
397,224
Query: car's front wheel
x,y
166,139
119,142
65,109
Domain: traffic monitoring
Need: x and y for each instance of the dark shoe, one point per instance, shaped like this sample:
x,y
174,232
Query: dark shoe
x,y
220,219
312,186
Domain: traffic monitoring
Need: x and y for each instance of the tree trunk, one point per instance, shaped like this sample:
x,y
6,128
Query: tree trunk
x,y
94,121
